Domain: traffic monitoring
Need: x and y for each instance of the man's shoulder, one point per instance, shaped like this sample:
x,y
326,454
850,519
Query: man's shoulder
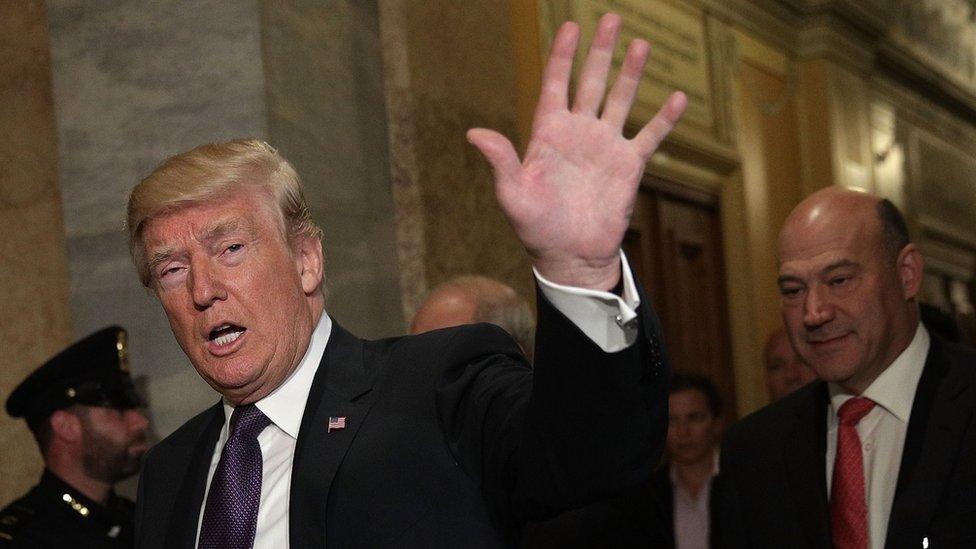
x,y
37,515
187,435
962,356
457,344
19,515
771,424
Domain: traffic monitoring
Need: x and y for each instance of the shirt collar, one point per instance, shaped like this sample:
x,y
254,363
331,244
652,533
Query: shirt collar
x,y
894,389
286,404
673,474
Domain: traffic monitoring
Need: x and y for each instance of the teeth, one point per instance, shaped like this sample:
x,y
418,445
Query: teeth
x,y
228,338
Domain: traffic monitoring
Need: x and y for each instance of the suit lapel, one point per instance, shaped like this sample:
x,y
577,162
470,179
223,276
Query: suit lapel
x,y
934,433
182,530
341,389
805,454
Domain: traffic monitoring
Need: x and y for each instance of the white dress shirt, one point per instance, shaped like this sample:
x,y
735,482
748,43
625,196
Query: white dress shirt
x,y
882,431
692,516
284,407
608,320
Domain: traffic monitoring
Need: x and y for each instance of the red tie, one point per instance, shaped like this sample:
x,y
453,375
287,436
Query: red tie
x,y
848,511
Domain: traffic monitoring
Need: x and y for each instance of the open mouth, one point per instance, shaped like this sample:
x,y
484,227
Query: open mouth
x,y
225,334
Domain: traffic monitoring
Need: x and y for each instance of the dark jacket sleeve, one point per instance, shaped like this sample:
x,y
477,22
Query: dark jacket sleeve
x,y
587,425
728,524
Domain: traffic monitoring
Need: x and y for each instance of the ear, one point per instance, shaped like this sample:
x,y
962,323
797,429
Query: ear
x,y
910,268
309,263
66,425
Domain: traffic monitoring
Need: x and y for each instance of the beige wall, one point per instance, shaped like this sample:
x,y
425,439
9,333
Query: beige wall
x,y
449,67
768,137
34,322
323,77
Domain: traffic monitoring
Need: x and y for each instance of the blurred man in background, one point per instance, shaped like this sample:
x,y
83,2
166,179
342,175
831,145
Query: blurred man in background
x,y
785,372
694,433
84,412
471,299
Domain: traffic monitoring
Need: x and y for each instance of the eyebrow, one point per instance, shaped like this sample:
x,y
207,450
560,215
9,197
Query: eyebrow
x,y
222,229
159,257
218,231
839,264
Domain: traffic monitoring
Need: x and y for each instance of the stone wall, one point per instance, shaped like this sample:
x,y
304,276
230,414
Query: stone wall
x,y
35,320
135,82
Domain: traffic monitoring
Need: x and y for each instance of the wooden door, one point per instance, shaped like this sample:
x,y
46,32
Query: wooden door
x,y
675,248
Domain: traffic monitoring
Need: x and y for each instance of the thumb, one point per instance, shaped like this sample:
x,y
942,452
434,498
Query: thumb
x,y
499,152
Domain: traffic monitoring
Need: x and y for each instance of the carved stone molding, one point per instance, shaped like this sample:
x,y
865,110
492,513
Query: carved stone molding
x,y
928,45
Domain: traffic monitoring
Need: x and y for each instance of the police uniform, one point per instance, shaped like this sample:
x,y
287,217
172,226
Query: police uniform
x,y
92,372
53,514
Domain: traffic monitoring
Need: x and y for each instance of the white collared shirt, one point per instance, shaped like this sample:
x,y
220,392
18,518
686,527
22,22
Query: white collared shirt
x,y
284,407
692,516
882,431
604,317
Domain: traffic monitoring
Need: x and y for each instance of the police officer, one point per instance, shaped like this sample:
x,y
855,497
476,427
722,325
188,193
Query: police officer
x,y
84,412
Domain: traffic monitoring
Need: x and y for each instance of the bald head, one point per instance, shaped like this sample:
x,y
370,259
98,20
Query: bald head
x,y
848,277
472,299
840,209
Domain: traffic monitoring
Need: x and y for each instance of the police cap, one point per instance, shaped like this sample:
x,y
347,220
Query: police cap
x,y
93,372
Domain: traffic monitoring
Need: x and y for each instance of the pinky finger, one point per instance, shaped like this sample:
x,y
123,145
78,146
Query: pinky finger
x,y
651,135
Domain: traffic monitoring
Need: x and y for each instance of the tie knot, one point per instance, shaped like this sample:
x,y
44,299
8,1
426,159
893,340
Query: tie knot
x,y
854,409
247,421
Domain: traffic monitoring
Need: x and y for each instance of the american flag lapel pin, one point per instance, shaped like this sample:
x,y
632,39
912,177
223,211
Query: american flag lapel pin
x,y
336,423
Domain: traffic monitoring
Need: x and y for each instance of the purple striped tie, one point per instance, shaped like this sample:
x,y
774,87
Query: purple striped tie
x,y
231,515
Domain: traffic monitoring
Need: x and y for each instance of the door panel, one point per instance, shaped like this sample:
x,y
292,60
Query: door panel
x,y
675,248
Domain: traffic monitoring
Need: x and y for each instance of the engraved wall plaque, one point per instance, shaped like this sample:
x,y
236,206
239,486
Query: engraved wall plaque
x,y
945,196
678,58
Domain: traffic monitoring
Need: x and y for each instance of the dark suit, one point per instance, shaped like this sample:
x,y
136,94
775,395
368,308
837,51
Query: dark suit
x,y
449,441
773,491
644,517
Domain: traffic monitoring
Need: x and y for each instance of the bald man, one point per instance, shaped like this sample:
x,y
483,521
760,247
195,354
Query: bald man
x,y
785,372
882,451
472,299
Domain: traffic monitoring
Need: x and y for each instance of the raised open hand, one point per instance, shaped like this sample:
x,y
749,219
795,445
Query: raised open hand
x,y
571,199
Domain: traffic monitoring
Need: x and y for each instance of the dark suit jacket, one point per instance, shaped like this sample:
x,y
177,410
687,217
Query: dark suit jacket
x,y
772,478
643,517
450,439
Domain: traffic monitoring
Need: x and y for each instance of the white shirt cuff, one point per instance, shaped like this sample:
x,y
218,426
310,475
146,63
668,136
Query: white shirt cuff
x,y
608,320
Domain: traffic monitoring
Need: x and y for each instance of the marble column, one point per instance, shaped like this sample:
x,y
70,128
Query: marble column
x,y
33,271
449,67
327,115
134,83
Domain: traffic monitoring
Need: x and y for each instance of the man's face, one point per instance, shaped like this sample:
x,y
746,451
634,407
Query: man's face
x,y
842,303
785,372
241,302
114,442
692,429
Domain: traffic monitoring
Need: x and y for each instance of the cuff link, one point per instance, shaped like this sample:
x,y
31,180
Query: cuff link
x,y
619,319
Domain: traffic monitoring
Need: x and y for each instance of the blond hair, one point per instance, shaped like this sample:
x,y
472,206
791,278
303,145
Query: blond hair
x,y
210,172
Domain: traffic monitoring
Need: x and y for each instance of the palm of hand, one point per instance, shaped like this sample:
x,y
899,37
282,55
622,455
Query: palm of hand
x,y
570,200
575,190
